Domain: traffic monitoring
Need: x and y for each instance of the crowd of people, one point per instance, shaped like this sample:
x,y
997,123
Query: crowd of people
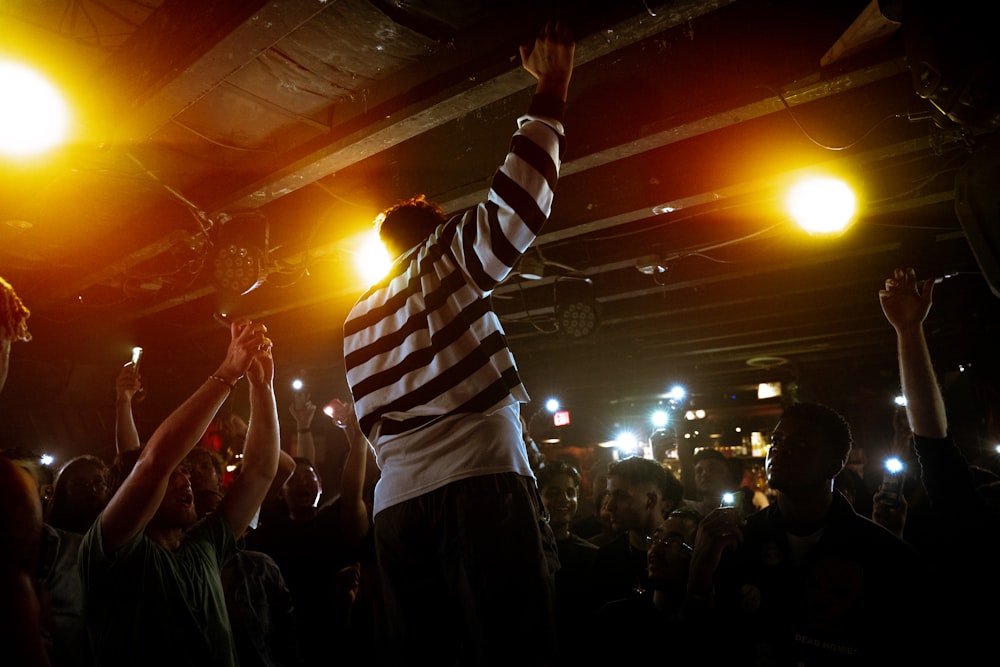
x,y
469,550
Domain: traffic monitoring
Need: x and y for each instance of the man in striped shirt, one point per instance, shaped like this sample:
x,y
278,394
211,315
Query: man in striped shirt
x,y
462,549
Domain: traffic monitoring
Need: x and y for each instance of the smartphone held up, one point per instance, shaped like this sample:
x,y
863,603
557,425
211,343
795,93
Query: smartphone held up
x,y
134,363
891,488
300,396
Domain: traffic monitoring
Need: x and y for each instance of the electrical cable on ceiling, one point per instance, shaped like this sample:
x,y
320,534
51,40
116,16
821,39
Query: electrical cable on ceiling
x,y
524,306
205,223
221,144
822,145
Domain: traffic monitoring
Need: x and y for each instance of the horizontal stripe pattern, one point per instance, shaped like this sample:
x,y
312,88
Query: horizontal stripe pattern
x,y
424,342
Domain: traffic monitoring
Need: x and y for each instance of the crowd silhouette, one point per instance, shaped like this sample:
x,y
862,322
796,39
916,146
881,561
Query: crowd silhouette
x,y
276,568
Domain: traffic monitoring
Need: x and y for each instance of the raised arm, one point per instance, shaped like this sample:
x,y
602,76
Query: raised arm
x,y
354,515
260,452
906,303
135,503
304,443
550,59
127,385
944,470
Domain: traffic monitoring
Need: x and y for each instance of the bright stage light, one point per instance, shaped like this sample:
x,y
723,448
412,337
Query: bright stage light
x,y
33,117
372,260
822,205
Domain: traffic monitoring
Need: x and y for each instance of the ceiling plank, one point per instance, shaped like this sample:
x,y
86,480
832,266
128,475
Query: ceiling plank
x,y
447,105
171,61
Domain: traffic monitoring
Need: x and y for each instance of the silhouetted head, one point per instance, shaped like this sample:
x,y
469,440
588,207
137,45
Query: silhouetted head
x,y
303,489
79,494
809,447
713,474
408,223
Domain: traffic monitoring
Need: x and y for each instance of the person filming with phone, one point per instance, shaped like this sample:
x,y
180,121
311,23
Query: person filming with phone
x,y
716,483
807,580
151,570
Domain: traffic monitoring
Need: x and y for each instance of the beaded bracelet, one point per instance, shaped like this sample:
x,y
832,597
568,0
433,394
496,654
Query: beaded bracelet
x,y
231,385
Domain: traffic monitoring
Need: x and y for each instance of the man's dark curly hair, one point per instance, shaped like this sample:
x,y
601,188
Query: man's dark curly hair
x,y
407,223
550,469
826,420
13,314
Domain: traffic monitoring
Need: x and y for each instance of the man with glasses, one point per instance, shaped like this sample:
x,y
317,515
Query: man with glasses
x,y
644,621
806,580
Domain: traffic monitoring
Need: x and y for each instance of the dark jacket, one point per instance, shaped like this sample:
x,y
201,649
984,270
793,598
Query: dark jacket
x,y
855,597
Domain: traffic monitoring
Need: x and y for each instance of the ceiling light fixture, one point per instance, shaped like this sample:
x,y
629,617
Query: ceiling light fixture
x,y
577,312
651,265
238,259
236,268
765,362
577,319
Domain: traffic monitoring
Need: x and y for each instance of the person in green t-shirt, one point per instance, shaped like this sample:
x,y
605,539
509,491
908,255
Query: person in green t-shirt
x,y
150,569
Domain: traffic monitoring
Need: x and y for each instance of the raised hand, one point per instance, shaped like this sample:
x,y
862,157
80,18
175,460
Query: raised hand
x,y
340,412
249,340
906,301
261,369
303,413
550,59
128,384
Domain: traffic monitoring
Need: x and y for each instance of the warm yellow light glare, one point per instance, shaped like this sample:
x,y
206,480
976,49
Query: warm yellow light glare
x,y
33,115
372,260
822,205
768,390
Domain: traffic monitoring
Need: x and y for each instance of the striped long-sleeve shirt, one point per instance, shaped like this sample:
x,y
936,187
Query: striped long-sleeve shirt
x,y
424,344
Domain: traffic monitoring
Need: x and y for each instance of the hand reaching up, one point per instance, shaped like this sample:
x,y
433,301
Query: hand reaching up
x,y
550,59
128,383
261,369
905,301
302,413
248,341
340,412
